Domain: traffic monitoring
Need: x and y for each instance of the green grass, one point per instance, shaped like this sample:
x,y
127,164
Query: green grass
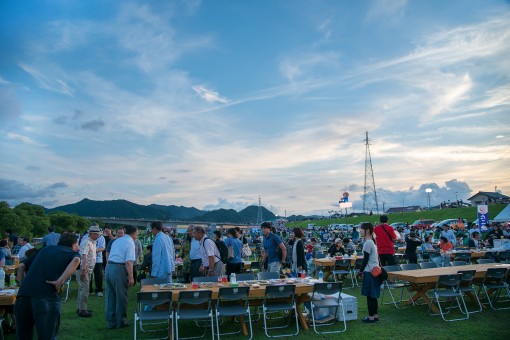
x,y
412,323
469,214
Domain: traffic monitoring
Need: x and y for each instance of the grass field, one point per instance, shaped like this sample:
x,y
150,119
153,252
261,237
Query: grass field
x,y
469,214
412,323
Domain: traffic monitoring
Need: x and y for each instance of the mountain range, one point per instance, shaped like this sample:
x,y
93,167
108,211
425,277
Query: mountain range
x,y
126,209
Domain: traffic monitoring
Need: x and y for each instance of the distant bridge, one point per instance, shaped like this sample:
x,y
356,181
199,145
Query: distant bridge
x,y
146,223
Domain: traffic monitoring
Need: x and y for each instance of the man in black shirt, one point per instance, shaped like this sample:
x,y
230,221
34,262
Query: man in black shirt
x,y
37,302
412,242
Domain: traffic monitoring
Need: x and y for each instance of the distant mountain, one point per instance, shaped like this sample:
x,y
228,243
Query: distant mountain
x,y
126,209
247,215
115,208
180,213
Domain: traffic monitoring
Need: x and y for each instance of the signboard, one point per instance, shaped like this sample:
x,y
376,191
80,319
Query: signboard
x,y
483,216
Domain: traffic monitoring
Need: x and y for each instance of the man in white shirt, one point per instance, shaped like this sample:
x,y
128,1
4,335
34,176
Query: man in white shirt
x,y
98,267
88,261
449,234
211,260
119,276
25,245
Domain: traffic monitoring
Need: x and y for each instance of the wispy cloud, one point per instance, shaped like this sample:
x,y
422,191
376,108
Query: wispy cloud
x,y
49,82
209,96
23,139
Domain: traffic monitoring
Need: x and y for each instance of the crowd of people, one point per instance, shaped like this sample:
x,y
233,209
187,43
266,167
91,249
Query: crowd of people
x,y
120,256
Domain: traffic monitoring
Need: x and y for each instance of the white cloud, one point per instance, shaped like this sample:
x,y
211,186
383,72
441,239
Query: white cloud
x,y
23,139
209,96
49,82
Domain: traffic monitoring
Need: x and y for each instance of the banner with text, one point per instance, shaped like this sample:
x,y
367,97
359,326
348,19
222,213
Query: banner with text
x,y
483,216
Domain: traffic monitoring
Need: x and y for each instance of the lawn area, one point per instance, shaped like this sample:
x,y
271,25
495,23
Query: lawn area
x,y
412,323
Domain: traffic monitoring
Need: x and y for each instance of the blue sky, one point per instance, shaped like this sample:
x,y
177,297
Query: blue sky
x,y
212,104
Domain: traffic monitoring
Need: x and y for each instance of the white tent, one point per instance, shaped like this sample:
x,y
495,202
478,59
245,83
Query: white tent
x,y
504,215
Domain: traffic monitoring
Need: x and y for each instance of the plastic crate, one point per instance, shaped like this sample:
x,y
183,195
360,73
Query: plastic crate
x,y
350,307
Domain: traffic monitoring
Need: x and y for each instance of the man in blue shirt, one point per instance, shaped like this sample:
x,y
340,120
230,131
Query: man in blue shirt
x,y
271,244
195,255
234,264
50,239
163,254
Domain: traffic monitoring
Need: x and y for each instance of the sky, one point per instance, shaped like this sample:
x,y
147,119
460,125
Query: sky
x,y
213,104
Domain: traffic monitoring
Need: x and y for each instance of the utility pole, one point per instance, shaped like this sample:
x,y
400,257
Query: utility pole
x,y
259,214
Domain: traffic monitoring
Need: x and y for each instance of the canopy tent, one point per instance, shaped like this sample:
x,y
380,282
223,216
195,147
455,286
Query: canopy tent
x,y
504,215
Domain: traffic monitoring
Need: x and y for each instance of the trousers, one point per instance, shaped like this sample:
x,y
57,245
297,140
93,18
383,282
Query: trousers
x,y
116,295
98,278
83,289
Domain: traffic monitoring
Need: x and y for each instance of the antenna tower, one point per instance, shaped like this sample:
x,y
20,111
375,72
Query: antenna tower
x,y
259,214
369,187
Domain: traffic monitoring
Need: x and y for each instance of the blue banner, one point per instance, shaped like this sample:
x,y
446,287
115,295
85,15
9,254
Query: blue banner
x,y
483,216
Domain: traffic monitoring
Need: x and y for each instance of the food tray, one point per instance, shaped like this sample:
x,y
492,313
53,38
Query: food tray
x,y
172,286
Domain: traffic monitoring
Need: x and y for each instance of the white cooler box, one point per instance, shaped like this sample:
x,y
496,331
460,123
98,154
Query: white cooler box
x,y
350,306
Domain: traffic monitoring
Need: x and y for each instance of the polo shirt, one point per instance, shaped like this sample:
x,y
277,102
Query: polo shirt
x,y
384,242
123,250
271,244
195,253
49,263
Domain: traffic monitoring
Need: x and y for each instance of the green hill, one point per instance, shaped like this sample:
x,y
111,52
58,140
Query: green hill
x,y
469,214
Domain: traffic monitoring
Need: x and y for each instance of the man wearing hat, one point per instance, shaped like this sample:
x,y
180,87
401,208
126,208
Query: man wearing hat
x,y
337,248
88,261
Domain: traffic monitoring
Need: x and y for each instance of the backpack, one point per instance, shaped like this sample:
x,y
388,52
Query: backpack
x,y
222,248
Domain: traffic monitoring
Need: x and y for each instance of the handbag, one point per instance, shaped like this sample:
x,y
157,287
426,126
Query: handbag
x,y
246,251
230,250
376,271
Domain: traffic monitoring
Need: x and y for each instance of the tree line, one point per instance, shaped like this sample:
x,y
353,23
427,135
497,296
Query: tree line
x,y
31,220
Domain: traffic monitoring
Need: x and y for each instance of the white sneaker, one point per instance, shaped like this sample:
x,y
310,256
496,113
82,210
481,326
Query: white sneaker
x,y
100,294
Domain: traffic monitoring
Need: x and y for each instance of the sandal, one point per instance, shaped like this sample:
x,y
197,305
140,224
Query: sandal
x,y
367,320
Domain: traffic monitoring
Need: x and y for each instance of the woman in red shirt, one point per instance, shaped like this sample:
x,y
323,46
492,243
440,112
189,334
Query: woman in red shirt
x,y
445,245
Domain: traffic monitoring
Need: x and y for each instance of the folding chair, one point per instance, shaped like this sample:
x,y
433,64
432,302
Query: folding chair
x,y
355,269
233,301
245,277
280,298
428,265
484,261
437,258
409,266
268,276
466,286
504,256
495,281
462,257
447,287
328,288
67,286
152,281
188,308
204,279
254,266
392,285
458,263
343,267
143,315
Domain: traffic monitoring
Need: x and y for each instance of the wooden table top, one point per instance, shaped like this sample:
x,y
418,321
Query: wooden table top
x,y
431,275
301,288
324,262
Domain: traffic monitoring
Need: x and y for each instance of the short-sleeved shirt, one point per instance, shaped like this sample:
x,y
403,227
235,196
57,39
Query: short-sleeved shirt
x,y
100,243
195,253
271,244
236,245
373,260
208,248
123,250
385,236
88,248
49,263
24,249
51,239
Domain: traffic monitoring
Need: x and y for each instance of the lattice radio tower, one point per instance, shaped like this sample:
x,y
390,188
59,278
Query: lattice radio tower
x,y
369,187
259,214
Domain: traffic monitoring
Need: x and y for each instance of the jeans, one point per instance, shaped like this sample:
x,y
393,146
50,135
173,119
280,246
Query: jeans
x,y
42,313
274,267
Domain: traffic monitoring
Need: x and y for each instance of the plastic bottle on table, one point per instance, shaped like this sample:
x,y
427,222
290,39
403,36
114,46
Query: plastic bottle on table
x,y
12,280
321,276
233,280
